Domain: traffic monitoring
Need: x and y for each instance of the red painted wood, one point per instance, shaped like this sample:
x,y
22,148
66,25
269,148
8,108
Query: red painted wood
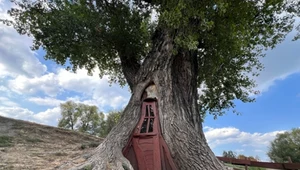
x,y
151,151
286,166
168,163
145,139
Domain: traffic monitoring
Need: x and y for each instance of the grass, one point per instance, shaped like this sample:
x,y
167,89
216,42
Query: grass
x,y
33,140
26,145
93,144
6,141
9,167
89,145
88,167
243,167
60,154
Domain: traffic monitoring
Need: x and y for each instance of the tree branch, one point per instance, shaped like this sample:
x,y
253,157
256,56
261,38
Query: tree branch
x,y
130,67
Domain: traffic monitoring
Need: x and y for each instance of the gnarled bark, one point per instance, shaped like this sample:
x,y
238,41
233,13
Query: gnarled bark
x,y
175,80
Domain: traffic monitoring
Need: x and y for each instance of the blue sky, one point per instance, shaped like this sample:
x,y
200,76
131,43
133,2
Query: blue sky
x,y
32,89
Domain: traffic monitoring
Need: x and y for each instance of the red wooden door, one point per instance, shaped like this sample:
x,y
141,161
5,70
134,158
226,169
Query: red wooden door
x,y
147,149
146,138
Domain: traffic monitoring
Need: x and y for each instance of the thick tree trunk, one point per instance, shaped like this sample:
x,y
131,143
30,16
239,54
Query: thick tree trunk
x,y
175,79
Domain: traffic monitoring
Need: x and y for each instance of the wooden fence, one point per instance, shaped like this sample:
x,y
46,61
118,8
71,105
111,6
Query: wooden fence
x,y
247,163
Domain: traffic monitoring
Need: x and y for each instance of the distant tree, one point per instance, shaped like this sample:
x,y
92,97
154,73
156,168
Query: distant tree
x,y
229,154
81,117
286,145
251,158
100,130
112,119
241,156
69,115
89,118
257,158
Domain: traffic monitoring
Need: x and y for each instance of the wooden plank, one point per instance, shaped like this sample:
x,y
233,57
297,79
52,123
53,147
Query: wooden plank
x,y
267,165
291,165
235,161
287,166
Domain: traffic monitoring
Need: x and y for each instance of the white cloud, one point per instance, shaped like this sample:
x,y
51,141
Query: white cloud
x,y
222,133
17,113
47,84
259,150
48,117
92,89
246,143
4,101
15,55
79,82
3,9
4,89
279,63
230,135
239,150
47,101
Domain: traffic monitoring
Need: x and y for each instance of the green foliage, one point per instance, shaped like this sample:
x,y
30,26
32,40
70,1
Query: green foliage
x,y
69,115
81,117
286,145
89,118
88,36
89,145
33,140
93,144
229,154
113,118
227,37
88,167
60,154
125,167
5,141
255,168
243,167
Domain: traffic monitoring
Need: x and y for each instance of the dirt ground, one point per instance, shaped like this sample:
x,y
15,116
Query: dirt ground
x,y
25,145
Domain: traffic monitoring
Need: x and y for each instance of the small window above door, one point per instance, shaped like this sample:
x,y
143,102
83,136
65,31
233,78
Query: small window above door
x,y
147,123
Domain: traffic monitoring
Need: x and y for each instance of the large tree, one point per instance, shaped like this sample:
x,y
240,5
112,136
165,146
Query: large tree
x,y
89,118
286,147
81,117
178,45
69,115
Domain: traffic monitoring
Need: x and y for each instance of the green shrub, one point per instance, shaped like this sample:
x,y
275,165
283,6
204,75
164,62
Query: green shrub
x,y
5,141
89,145
83,146
60,154
93,144
88,167
33,140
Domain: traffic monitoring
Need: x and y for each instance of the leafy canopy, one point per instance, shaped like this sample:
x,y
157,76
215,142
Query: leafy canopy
x,y
89,118
109,123
69,115
81,117
285,146
228,37
85,118
229,154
